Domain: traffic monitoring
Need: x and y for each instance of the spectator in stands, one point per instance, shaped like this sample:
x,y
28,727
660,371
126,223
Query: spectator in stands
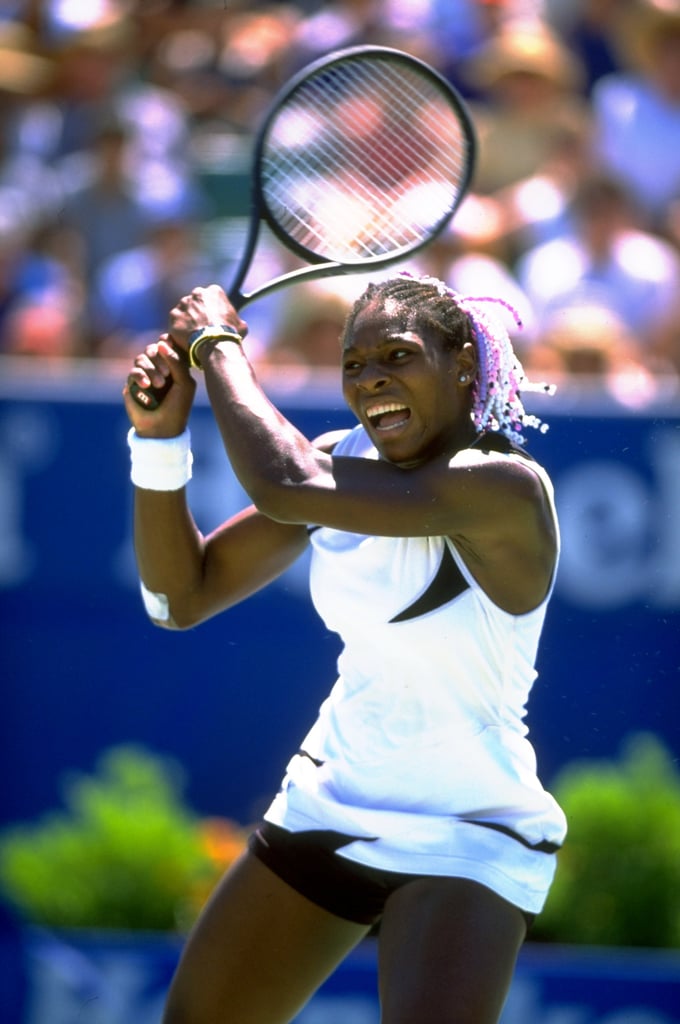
x,y
590,29
637,111
40,302
606,259
130,300
94,64
25,78
104,213
334,25
531,85
533,127
590,348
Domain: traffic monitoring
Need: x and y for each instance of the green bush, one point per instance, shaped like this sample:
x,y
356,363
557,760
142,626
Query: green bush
x,y
618,875
123,853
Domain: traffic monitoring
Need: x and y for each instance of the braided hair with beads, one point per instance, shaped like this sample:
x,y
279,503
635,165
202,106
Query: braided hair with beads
x,y
429,302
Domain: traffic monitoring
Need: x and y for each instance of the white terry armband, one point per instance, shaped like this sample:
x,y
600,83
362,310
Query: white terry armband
x,y
156,605
160,463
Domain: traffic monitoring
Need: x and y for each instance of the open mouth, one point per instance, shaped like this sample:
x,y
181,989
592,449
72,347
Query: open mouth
x,y
388,415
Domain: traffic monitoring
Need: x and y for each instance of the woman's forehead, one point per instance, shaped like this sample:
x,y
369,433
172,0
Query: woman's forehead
x,y
385,315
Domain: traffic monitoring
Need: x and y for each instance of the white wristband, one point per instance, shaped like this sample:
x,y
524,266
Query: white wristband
x,y
160,463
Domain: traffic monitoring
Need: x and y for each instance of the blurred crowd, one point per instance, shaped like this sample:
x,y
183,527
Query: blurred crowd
x,y
125,138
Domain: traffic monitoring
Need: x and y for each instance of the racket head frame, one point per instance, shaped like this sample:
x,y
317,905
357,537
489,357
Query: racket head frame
x,y
260,212
319,266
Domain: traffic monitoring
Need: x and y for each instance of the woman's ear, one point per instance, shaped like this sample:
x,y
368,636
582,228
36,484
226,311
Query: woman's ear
x,y
466,364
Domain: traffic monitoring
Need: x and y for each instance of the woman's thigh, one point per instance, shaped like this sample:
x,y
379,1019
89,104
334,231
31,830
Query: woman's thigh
x,y
448,949
257,953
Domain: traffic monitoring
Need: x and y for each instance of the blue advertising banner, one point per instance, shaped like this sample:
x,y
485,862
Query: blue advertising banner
x,y
118,980
82,668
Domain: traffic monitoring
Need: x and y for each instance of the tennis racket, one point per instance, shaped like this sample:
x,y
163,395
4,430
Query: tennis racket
x,y
360,162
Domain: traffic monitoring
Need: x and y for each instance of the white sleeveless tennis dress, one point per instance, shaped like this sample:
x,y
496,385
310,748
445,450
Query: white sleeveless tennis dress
x,y
420,750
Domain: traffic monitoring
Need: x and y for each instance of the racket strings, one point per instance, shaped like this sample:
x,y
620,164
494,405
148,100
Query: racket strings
x,y
400,95
388,228
372,177
348,142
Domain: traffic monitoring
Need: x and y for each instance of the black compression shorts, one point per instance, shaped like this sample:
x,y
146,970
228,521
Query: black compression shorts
x,y
308,862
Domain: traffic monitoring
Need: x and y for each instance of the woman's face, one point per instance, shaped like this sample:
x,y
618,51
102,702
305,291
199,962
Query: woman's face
x,y
403,386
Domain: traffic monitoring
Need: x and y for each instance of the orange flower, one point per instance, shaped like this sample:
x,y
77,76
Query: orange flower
x,y
223,840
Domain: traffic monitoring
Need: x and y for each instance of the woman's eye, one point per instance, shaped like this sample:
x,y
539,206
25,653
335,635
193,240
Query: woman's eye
x,y
351,367
398,354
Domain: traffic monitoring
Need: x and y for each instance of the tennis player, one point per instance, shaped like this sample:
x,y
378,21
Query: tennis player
x,y
413,805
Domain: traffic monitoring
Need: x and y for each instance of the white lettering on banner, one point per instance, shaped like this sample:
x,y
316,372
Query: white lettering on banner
x,y
69,981
524,1004
666,590
621,534
66,986
29,440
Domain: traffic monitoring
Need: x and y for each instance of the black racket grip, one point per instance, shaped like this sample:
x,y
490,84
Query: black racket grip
x,y
150,398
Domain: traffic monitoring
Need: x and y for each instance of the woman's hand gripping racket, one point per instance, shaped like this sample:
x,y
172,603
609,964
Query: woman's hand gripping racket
x,y
361,161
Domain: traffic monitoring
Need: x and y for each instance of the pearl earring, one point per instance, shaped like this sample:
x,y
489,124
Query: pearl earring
x,y
463,378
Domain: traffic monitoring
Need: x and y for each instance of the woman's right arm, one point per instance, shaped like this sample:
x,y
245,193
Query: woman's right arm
x,y
186,577
192,578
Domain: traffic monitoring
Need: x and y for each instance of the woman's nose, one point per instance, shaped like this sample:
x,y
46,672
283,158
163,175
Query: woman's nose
x,y
372,378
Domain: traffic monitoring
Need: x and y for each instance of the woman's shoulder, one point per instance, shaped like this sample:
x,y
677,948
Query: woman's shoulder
x,y
505,461
493,441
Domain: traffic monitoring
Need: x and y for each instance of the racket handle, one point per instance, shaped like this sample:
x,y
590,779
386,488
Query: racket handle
x,y
150,398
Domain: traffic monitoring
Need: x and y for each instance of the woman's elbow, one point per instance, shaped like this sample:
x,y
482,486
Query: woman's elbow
x,y
279,501
164,613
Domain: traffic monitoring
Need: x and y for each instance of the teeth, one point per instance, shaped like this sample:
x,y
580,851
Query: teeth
x,y
380,410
